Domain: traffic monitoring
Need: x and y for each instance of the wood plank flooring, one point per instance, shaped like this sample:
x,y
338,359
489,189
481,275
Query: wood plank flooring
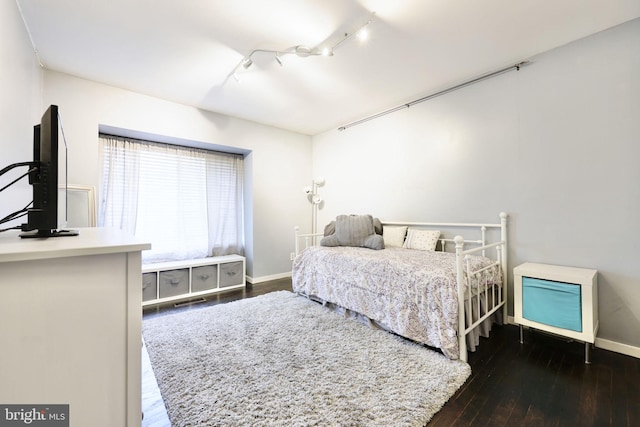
x,y
543,382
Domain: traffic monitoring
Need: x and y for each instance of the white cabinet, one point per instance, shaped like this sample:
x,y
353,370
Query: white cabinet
x,y
556,299
70,325
177,280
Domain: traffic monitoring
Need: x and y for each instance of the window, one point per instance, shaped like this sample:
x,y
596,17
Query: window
x,y
187,202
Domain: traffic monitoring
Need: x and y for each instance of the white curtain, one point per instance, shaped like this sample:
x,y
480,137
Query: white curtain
x,y
187,202
119,193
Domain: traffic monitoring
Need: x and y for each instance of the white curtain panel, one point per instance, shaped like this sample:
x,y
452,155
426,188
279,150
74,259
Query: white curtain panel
x,y
187,202
119,190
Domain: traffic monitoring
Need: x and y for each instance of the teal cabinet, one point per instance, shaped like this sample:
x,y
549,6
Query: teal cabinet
x,y
557,299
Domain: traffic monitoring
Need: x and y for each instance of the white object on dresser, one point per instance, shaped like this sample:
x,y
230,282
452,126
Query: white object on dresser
x,y
557,299
178,280
70,323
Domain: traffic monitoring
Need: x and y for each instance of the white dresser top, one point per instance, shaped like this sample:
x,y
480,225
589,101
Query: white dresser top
x,y
90,241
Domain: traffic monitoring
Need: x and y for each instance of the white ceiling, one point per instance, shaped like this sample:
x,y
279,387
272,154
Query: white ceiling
x,y
183,51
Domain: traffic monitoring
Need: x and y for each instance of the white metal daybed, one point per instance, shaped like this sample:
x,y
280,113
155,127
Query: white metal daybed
x,y
441,299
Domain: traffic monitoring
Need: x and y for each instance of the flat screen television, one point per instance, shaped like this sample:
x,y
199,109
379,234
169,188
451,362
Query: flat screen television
x,y
48,215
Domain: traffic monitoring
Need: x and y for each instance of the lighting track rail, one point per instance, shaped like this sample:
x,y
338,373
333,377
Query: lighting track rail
x,y
516,66
300,51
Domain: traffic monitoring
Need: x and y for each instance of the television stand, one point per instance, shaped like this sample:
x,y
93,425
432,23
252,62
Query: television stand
x,y
41,234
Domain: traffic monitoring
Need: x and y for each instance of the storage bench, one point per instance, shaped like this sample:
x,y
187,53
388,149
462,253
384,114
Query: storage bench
x,y
179,280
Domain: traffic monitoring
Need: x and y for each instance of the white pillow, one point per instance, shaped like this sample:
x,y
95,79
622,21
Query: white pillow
x,y
393,236
424,240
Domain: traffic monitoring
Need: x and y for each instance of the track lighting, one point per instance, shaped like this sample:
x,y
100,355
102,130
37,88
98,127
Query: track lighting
x,y
301,50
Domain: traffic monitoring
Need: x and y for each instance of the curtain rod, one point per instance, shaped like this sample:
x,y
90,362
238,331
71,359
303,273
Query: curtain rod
x,y
436,94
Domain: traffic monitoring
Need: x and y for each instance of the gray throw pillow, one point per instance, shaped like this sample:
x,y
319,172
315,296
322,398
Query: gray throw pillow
x,y
354,230
330,228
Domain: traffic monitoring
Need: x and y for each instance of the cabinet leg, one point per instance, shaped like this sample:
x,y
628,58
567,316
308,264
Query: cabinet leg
x,y
587,353
521,336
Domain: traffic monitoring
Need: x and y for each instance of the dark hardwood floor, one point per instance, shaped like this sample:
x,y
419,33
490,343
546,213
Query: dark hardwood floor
x,y
543,382
220,298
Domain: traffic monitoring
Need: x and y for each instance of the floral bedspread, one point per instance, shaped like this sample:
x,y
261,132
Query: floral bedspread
x,y
412,293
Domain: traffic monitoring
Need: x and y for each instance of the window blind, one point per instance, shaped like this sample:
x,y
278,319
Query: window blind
x,y
187,202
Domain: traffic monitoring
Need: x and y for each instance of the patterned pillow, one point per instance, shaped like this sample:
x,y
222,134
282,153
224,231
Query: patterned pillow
x,y
424,240
394,236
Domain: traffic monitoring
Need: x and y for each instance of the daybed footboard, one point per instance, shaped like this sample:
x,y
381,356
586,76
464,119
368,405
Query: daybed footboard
x,y
494,297
397,291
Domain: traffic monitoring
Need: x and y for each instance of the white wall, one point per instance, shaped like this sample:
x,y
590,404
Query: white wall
x,y
556,145
20,89
280,160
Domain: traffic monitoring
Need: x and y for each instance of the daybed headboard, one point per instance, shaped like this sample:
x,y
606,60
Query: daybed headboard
x,y
479,234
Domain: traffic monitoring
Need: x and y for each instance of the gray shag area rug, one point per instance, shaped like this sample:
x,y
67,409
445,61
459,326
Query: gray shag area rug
x,y
280,359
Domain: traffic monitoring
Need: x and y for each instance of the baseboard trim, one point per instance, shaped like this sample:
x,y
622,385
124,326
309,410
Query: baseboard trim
x,y
626,349
605,344
256,280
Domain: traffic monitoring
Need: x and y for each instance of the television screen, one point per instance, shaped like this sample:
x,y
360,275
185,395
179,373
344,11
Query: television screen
x,y
47,217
